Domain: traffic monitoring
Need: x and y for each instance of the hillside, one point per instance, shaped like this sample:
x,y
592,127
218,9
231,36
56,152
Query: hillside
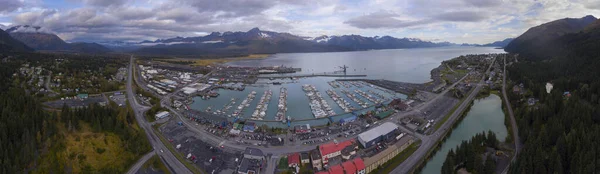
x,y
9,44
561,133
40,39
539,42
500,44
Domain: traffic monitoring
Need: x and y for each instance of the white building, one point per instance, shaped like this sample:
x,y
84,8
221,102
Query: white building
x,y
162,114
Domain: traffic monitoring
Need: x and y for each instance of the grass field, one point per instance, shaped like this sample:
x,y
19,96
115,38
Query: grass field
x,y
85,150
213,61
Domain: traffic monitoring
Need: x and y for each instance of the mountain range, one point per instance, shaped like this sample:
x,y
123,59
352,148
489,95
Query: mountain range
x,y
9,44
42,40
542,42
224,44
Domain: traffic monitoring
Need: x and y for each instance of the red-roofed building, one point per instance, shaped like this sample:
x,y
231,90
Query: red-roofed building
x,y
294,159
360,165
349,167
337,169
333,149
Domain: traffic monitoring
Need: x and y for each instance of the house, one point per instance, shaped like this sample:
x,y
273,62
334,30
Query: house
x,y
315,157
567,94
334,149
360,165
337,169
549,87
304,158
349,167
82,96
398,105
517,90
293,159
249,127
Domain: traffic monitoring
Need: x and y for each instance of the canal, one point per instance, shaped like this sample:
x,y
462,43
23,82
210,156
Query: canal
x,y
485,114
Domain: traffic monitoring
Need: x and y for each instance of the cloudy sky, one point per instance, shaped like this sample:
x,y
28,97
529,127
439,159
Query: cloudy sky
x,y
459,21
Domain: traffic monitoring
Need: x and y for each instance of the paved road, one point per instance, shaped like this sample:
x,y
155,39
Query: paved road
x,y
427,143
140,162
170,160
513,122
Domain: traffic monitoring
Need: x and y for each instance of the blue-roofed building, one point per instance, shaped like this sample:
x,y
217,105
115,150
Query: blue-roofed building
x,y
348,119
249,127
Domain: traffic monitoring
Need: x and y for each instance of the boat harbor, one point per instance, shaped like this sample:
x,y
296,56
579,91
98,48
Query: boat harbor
x,y
261,108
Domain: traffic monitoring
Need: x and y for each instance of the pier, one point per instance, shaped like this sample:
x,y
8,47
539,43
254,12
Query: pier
x,y
311,75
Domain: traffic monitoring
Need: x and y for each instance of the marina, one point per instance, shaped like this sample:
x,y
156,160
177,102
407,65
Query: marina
x,y
353,97
261,108
342,103
368,96
245,103
282,106
318,105
333,84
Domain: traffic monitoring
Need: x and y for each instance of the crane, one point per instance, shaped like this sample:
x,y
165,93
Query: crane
x,y
344,68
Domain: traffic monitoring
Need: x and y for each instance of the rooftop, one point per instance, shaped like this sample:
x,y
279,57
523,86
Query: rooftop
x,y
370,160
377,131
349,167
333,147
249,165
253,151
294,158
359,163
337,169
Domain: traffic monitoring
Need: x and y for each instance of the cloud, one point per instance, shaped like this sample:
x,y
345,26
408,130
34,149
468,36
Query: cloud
x,y
383,20
390,20
9,5
104,3
231,8
484,3
462,16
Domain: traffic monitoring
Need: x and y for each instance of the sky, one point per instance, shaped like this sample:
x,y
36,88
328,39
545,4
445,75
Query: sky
x,y
457,21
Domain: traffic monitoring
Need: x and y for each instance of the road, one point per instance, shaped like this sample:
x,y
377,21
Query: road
x,y
513,122
170,160
427,143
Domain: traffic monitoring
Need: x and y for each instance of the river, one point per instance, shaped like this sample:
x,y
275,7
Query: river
x,y
485,114
406,65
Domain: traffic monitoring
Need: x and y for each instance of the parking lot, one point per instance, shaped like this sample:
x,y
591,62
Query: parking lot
x,y
118,98
74,103
209,158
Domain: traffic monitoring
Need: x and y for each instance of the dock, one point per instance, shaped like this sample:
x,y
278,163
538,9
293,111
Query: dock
x,y
311,75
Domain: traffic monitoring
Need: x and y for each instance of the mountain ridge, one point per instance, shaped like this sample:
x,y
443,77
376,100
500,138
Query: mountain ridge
x,y
43,40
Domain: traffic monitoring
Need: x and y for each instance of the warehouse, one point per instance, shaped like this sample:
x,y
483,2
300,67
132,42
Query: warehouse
x,y
377,134
161,115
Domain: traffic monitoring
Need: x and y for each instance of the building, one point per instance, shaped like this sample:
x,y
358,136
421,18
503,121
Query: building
x,y
315,157
337,169
549,87
293,159
253,153
377,134
161,115
349,167
304,158
250,166
360,165
82,96
373,162
302,128
249,127
347,152
348,119
398,105
333,149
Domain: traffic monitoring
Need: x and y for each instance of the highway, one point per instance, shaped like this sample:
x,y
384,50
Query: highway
x,y
427,143
170,160
513,122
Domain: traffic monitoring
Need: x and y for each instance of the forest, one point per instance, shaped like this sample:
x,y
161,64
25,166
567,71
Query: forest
x,y
34,140
468,155
561,133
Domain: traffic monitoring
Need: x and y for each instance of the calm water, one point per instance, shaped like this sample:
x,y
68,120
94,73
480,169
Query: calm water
x,y
485,114
407,65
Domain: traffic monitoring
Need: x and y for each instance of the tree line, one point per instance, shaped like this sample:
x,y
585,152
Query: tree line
x,y
469,154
